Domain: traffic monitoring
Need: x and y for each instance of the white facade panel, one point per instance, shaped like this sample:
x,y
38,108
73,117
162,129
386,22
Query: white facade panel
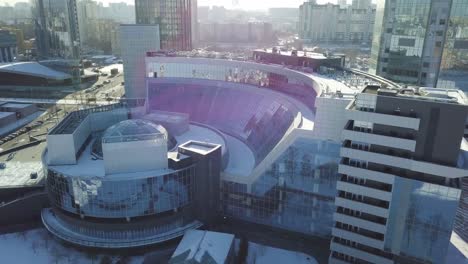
x,y
359,254
135,156
358,238
390,120
61,150
406,144
362,207
330,118
413,165
366,174
337,217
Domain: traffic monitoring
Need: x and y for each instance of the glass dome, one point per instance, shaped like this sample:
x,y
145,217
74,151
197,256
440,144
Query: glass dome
x,y
131,127
134,127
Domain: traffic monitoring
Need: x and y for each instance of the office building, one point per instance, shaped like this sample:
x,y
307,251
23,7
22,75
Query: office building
x,y
339,155
421,42
8,46
57,31
336,23
174,18
135,41
399,184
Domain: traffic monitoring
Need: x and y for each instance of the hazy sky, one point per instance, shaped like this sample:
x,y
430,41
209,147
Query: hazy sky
x,y
244,4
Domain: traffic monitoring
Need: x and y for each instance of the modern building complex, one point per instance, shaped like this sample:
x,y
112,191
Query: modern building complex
x,y
174,18
8,46
342,155
56,25
335,23
421,42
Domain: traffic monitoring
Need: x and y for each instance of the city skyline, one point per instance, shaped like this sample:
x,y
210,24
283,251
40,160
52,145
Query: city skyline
x,y
243,4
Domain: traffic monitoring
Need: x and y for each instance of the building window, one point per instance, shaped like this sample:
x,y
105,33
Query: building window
x,y
442,22
438,44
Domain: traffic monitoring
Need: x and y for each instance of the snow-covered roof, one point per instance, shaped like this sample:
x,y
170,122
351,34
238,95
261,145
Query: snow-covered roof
x,y
197,246
33,69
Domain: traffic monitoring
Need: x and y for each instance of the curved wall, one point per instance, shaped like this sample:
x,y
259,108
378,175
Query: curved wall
x,y
296,84
121,198
255,116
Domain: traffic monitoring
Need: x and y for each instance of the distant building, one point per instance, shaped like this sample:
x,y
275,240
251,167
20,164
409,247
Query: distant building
x,y
8,46
253,32
174,18
423,43
199,247
298,58
56,26
33,80
135,41
335,23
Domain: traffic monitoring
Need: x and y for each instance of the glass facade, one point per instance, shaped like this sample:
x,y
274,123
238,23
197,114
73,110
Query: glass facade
x,y
174,19
420,220
56,25
121,198
257,119
296,88
296,193
454,66
422,42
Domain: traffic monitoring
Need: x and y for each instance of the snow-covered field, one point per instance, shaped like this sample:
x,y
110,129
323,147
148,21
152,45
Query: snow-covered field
x,y
259,254
37,246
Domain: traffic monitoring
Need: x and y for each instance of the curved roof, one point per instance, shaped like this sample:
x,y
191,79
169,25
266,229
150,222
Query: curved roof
x,y
33,69
134,127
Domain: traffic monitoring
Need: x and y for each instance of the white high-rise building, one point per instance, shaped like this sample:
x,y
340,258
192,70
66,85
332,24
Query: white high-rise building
x,y
135,41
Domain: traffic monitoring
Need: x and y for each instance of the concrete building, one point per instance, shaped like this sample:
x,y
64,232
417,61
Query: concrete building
x,y
400,179
335,23
174,18
135,41
57,30
421,43
8,46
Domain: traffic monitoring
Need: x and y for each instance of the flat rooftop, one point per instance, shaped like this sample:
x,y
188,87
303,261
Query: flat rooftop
x,y
15,105
198,243
308,54
6,114
88,166
441,95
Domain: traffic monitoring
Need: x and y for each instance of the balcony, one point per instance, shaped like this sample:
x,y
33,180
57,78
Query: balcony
x,y
370,183
361,206
403,163
384,119
363,239
365,173
359,189
359,222
366,136
356,253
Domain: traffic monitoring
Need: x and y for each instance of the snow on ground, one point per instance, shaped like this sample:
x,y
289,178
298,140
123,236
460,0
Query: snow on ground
x,y
260,254
108,68
457,251
37,246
